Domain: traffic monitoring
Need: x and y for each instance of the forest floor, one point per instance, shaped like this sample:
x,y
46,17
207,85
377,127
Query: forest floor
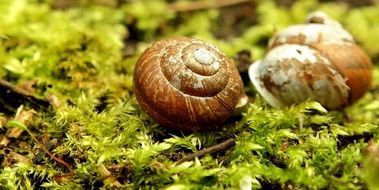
x,y
69,118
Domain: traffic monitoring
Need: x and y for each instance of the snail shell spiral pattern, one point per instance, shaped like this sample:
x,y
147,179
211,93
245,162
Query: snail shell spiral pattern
x,y
187,84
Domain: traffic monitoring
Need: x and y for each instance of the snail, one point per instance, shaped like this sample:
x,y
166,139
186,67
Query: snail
x,y
318,60
187,84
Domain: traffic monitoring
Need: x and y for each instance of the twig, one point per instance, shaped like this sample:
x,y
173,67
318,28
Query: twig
x,y
200,5
210,150
41,146
23,117
11,97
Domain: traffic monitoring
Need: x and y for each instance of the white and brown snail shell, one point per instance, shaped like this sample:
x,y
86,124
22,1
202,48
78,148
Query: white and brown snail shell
x,y
318,60
187,84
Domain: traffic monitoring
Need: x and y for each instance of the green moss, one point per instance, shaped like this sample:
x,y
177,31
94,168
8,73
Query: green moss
x,y
84,55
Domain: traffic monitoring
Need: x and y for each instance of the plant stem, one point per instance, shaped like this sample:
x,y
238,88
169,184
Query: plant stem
x,y
210,150
11,97
41,146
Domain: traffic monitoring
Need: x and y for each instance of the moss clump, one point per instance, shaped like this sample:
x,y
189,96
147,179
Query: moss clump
x,y
80,55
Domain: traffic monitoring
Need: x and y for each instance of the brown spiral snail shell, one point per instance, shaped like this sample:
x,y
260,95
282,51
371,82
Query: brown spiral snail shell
x,y
318,60
187,84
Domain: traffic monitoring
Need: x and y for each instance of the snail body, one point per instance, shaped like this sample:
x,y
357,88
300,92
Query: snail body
x,y
187,84
318,61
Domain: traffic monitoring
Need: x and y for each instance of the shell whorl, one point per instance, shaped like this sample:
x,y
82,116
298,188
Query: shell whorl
x,y
187,84
194,67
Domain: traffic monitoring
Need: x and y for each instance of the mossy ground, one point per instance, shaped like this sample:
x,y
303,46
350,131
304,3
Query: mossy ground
x,y
80,56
